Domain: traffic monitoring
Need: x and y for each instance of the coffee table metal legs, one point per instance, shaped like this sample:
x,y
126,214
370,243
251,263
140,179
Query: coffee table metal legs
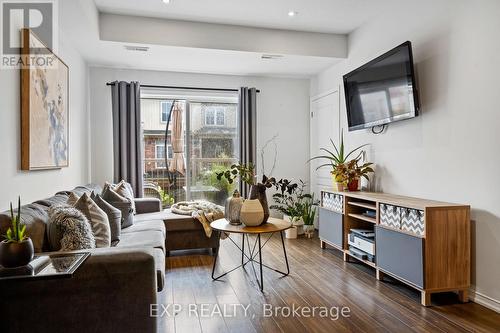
x,y
260,264
242,247
251,257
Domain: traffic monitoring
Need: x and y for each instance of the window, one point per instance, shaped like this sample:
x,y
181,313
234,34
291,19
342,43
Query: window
x,y
209,144
160,154
165,107
215,115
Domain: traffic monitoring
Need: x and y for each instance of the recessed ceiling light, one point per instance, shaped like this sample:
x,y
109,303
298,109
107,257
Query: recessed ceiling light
x,y
166,1
292,13
136,48
271,56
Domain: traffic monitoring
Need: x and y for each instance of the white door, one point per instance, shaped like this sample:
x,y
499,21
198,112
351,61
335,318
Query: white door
x,y
325,125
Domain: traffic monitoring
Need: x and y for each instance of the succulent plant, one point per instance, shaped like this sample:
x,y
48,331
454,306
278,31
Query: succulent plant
x,y
17,232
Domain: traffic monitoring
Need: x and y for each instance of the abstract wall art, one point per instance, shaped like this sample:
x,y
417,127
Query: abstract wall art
x,y
44,106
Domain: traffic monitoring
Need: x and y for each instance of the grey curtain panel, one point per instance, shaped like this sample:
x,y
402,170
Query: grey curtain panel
x,y
248,129
127,136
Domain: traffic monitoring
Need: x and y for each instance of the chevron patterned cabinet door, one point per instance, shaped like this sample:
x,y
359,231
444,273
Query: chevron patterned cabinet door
x,y
390,216
333,202
413,221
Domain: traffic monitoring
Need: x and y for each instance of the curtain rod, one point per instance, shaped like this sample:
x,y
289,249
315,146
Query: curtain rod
x,y
184,88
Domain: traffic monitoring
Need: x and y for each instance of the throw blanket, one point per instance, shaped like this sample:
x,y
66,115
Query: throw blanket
x,y
204,211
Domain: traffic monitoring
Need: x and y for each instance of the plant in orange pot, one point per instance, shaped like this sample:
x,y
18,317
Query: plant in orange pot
x,y
354,172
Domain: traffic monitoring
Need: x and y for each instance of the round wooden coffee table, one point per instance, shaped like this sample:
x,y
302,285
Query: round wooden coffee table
x,y
271,227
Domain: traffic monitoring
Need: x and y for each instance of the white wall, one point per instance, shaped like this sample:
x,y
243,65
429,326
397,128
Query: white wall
x,y
451,151
283,109
34,185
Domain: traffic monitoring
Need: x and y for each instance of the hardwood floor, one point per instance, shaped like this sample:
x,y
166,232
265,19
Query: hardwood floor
x,y
318,278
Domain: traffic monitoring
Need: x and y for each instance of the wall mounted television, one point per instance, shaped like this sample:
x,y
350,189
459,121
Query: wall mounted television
x,y
382,91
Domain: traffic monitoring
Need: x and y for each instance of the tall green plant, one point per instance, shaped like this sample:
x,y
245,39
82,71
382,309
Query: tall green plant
x,y
17,232
338,156
309,210
291,199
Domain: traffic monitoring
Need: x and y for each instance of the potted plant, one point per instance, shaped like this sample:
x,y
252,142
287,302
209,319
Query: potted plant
x,y
337,160
290,201
355,172
309,214
17,248
166,198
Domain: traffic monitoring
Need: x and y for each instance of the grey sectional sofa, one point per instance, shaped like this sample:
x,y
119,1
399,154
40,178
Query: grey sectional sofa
x,y
111,292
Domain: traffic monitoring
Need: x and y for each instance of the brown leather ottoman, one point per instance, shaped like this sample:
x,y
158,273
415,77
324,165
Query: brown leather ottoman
x,y
182,232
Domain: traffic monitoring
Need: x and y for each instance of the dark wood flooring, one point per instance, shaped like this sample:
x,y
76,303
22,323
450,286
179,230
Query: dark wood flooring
x,y
318,278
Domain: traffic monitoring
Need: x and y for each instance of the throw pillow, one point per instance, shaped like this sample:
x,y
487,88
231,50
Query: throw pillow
x,y
68,229
123,204
98,220
73,198
114,218
124,189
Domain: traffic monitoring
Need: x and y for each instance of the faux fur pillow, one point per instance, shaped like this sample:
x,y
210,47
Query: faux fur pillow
x,y
69,229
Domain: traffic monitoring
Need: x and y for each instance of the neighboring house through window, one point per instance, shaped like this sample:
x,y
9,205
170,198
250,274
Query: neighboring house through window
x,y
215,116
160,154
165,107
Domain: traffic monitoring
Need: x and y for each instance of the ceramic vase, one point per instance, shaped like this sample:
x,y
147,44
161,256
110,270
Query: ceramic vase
x,y
16,254
233,208
259,192
252,213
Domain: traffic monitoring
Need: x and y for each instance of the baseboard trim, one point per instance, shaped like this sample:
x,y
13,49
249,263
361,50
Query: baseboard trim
x,y
485,301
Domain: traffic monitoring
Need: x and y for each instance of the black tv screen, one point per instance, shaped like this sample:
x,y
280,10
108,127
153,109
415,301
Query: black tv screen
x,y
382,91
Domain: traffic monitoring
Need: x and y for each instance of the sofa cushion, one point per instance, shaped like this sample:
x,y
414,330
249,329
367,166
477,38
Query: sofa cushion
x,y
57,199
156,225
35,217
79,190
147,238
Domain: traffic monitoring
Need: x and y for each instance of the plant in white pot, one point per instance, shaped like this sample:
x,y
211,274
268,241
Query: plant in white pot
x,y
290,201
17,248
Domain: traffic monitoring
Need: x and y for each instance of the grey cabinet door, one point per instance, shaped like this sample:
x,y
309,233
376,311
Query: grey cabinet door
x,y
400,254
331,227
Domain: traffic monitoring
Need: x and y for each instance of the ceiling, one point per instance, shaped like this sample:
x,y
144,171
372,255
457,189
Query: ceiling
x,y
79,20
328,16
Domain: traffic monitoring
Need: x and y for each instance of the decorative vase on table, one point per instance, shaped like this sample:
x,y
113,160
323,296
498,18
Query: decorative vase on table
x,y
233,208
252,213
16,254
259,192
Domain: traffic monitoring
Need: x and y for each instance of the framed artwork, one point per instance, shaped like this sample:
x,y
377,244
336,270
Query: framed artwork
x,y
44,106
